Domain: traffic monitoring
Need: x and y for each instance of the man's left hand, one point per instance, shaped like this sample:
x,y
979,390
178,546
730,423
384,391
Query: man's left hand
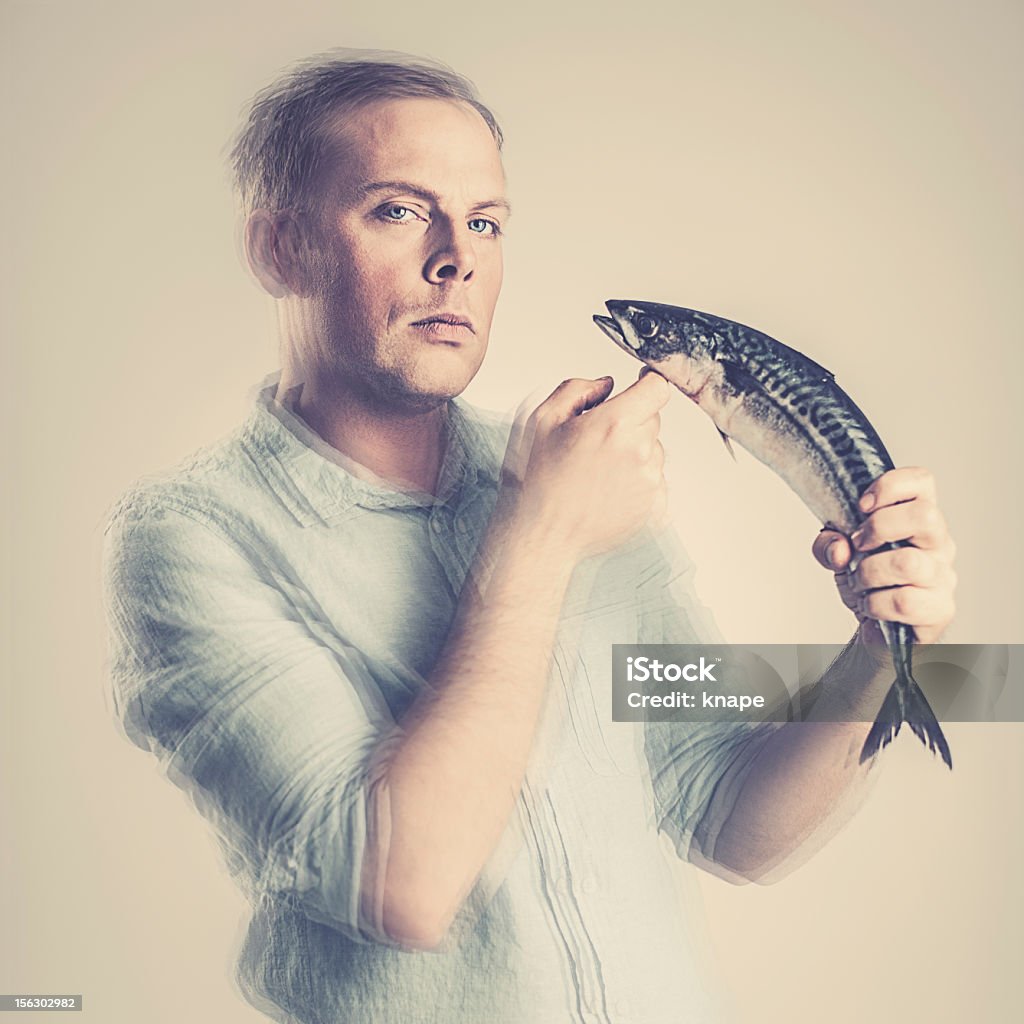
x,y
912,584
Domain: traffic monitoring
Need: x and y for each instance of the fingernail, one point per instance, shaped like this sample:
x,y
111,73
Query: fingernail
x,y
830,553
867,502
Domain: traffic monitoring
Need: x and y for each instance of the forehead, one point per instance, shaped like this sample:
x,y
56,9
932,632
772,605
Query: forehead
x,y
440,144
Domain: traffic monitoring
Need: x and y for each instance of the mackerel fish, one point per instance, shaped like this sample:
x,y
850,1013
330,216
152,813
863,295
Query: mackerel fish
x,y
790,414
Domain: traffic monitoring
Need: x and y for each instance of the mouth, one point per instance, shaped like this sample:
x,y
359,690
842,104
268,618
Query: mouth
x,y
441,323
610,327
615,332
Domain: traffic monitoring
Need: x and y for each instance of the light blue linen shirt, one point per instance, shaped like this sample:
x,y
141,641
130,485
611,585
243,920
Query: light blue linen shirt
x,y
273,609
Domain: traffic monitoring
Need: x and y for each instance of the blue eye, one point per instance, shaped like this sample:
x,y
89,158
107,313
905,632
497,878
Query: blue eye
x,y
396,209
483,226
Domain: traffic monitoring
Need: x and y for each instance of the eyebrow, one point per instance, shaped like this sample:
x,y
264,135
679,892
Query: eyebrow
x,y
367,190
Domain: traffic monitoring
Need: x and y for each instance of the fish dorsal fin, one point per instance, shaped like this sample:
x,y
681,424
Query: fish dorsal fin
x,y
818,369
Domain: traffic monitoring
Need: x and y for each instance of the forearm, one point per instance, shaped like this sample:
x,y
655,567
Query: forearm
x,y
799,777
801,774
453,777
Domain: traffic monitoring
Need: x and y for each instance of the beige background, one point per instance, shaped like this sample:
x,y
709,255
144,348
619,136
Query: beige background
x,y
844,176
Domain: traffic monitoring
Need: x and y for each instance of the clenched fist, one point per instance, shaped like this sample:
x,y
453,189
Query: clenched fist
x,y
912,584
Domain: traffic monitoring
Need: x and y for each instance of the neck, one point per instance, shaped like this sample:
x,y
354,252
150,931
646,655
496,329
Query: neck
x,y
404,447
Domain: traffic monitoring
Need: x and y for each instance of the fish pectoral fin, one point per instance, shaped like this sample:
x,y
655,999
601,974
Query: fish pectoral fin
x,y
727,442
739,380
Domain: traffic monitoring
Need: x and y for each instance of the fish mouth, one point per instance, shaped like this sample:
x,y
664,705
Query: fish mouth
x,y
612,327
614,331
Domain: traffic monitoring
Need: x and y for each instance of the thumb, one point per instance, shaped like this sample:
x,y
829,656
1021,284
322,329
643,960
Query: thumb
x,y
576,395
832,550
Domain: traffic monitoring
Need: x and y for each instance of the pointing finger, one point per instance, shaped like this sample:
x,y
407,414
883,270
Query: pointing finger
x,y
574,396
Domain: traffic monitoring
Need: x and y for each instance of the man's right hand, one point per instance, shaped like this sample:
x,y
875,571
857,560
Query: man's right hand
x,y
587,470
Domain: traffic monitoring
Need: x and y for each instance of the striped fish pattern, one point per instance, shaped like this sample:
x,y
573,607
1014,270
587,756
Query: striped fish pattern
x,y
790,414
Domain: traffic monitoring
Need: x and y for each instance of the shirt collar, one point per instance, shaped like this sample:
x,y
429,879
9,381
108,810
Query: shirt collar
x,y
318,483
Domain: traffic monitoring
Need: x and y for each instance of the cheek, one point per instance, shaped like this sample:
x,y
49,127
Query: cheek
x,y
494,283
357,280
381,271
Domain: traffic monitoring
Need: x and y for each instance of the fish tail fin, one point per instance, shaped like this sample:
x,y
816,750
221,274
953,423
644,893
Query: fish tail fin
x,y
887,724
906,702
924,724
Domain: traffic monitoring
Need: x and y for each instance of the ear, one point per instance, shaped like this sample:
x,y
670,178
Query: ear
x,y
276,252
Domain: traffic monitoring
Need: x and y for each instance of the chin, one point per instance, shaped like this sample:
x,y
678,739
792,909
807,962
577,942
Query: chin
x,y
421,395
432,385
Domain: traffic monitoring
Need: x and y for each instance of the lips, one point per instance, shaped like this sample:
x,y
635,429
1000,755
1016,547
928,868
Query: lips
x,y
438,321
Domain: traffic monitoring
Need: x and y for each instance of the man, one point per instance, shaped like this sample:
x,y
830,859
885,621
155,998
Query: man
x,y
374,644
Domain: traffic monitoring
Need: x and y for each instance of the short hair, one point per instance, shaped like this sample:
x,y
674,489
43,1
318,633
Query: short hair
x,y
276,153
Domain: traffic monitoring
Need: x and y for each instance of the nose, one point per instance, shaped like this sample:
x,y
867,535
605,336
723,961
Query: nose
x,y
452,257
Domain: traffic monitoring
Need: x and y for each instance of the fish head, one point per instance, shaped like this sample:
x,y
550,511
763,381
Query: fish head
x,y
653,332
687,347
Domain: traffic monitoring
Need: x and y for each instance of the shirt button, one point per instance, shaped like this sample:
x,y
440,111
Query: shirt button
x,y
589,884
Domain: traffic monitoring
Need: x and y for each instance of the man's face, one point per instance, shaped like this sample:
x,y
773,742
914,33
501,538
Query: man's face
x,y
409,261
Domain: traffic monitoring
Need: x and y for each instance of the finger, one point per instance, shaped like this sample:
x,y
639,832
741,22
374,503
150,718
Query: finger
x,y
832,550
658,457
900,567
914,606
918,521
850,597
903,484
654,464
574,396
640,400
648,432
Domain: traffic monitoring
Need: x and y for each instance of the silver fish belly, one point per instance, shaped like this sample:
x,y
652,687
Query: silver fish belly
x,y
790,414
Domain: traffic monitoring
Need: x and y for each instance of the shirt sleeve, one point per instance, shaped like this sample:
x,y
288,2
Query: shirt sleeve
x,y
697,769
274,733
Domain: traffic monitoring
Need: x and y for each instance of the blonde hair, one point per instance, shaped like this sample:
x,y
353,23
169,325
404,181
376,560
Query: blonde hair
x,y
277,151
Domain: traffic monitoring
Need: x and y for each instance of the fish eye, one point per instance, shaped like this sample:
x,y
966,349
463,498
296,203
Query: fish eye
x,y
646,326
